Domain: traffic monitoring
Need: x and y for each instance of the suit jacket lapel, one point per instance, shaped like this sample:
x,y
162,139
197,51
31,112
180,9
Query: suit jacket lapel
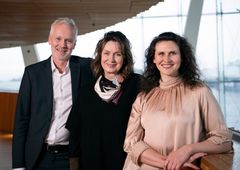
x,y
75,76
49,84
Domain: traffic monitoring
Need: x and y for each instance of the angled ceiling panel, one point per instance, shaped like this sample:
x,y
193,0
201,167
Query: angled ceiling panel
x,y
26,22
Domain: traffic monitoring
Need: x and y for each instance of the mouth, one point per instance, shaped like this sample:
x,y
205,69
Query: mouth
x,y
62,51
111,65
166,66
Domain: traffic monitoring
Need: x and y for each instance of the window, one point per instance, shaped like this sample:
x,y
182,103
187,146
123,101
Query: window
x,y
11,69
217,48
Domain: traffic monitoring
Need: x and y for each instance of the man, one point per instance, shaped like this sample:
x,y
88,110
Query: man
x,y
47,92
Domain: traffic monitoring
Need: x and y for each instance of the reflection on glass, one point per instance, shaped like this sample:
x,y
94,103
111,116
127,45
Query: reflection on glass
x,y
229,102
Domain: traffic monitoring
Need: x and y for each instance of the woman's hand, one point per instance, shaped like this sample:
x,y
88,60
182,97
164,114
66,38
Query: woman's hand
x,y
182,157
153,158
176,159
189,163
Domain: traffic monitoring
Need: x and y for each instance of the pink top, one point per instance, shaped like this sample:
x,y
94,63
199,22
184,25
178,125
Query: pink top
x,y
170,116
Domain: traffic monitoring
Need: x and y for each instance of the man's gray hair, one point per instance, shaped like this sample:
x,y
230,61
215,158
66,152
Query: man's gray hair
x,y
67,21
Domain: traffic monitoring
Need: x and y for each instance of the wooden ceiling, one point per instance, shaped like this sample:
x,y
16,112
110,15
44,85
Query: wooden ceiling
x,y
26,22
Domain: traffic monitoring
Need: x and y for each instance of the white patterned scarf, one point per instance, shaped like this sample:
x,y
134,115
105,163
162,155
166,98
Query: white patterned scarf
x,y
109,91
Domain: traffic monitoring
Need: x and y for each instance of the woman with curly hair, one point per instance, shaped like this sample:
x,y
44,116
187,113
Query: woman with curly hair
x,y
176,119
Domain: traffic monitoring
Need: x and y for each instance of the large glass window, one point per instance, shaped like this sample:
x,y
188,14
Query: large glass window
x,y
217,49
11,68
231,66
206,50
86,43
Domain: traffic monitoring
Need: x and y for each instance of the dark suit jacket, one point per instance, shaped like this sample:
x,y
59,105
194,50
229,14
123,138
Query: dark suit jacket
x,y
34,107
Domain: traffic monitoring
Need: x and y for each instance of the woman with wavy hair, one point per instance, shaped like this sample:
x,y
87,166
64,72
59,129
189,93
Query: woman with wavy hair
x,y
176,119
98,121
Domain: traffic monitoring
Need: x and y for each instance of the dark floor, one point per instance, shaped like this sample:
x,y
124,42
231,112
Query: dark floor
x,y
5,151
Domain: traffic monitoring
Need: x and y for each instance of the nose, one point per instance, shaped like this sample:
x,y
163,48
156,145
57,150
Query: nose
x,y
63,43
112,57
167,57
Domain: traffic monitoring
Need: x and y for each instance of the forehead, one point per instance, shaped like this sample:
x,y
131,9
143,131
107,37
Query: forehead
x,y
166,45
62,28
112,45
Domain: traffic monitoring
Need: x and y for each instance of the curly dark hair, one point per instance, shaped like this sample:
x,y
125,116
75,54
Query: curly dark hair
x,y
125,46
188,71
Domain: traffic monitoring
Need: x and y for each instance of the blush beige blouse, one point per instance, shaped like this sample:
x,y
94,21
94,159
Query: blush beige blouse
x,y
170,116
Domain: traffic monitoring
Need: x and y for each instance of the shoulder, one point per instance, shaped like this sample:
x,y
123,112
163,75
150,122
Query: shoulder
x,y
39,65
83,63
131,84
202,88
79,59
134,77
202,92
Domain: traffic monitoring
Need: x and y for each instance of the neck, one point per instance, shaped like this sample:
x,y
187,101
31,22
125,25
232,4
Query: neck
x,y
110,76
168,78
60,65
114,76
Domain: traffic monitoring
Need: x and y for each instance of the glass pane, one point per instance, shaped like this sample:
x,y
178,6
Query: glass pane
x,y
86,43
230,6
206,51
228,95
11,68
209,7
154,26
232,94
167,8
43,50
231,44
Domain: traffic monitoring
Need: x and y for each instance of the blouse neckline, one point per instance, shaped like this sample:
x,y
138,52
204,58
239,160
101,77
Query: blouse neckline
x,y
171,83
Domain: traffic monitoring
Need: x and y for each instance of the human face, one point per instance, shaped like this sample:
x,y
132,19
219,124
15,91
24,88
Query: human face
x,y
62,42
111,59
167,59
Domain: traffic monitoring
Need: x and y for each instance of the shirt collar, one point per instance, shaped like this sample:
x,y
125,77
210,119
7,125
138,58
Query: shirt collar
x,y
53,67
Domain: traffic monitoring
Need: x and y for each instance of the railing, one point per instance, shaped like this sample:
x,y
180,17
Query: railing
x,y
228,161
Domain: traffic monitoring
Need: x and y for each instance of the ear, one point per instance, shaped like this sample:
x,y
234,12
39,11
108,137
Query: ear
x,y
49,40
154,60
74,44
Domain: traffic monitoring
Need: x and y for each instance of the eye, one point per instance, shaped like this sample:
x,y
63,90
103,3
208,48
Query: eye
x,y
106,53
69,41
160,54
172,53
119,54
58,38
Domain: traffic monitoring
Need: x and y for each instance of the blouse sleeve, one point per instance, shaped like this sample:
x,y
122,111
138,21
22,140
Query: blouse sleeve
x,y
214,122
134,144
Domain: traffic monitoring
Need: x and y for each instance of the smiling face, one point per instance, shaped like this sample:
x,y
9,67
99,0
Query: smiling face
x,y
167,59
111,59
62,41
